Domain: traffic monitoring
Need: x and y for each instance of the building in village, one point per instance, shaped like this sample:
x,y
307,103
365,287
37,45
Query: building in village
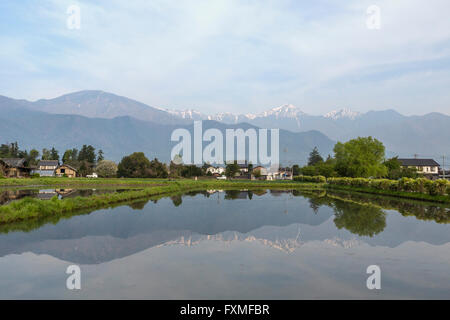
x,y
46,168
65,171
14,168
243,167
426,167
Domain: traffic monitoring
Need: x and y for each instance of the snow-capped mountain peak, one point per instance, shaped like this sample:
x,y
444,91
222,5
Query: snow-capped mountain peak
x,y
189,114
342,113
284,111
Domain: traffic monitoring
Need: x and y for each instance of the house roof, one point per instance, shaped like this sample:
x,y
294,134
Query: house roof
x,y
419,162
66,165
14,162
48,163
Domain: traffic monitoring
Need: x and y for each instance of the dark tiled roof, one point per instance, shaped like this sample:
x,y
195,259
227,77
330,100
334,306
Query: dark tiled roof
x,y
419,162
13,162
48,163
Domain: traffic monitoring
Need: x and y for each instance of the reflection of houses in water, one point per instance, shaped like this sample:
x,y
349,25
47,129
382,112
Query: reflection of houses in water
x,y
259,192
11,195
63,193
46,194
212,191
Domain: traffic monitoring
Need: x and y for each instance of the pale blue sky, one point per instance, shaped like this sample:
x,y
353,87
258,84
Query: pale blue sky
x,y
229,55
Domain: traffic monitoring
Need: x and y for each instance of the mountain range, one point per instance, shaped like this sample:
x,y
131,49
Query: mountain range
x,y
124,135
119,125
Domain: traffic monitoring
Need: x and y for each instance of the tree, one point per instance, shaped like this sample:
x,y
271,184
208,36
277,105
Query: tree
x,y
327,168
395,170
84,169
314,157
87,153
137,165
100,156
295,169
54,155
106,169
231,169
309,171
67,157
32,157
159,169
361,157
191,171
74,155
46,155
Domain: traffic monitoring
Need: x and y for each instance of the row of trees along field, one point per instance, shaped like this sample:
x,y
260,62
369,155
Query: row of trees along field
x,y
361,157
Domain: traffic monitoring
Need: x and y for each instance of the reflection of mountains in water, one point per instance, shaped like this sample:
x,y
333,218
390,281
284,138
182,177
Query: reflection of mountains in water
x,y
273,221
286,245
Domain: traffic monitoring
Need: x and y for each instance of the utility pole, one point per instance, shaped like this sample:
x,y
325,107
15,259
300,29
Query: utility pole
x,y
443,167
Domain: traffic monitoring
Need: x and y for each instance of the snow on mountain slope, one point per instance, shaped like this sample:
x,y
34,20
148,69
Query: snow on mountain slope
x,y
342,113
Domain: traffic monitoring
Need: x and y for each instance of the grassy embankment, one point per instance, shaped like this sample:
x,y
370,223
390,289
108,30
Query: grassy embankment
x,y
74,182
29,208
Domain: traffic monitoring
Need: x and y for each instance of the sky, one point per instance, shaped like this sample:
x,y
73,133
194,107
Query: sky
x,y
232,56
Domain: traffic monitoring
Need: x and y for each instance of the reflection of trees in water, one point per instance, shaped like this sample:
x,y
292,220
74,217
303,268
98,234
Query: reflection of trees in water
x,y
421,210
363,214
232,194
138,205
176,200
194,193
358,218
314,205
363,220
10,195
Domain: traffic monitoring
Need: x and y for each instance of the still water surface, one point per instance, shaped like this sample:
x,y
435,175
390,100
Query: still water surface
x,y
235,245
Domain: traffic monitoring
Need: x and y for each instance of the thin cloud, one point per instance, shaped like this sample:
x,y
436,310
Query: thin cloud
x,y
229,55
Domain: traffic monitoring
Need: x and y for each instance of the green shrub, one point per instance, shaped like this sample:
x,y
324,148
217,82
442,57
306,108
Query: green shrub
x,y
421,185
360,182
430,188
441,186
35,176
340,181
382,184
316,179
